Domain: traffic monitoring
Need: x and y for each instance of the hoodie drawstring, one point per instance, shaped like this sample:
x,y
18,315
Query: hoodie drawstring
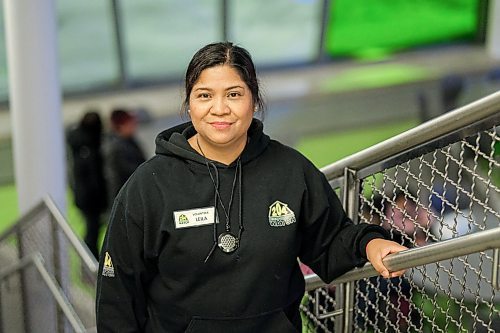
x,y
226,241
216,186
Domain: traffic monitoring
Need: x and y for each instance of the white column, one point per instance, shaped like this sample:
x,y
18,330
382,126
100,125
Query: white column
x,y
493,29
35,101
38,139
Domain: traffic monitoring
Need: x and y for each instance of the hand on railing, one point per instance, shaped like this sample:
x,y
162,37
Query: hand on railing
x,y
377,249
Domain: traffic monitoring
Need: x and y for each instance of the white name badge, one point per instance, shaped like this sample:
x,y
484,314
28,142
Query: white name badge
x,y
194,217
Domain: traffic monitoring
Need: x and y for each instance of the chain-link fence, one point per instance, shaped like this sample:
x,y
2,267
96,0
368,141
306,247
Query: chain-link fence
x,y
43,262
424,188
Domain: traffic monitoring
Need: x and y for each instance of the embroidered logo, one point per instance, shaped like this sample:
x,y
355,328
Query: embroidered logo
x,y
183,219
108,270
280,214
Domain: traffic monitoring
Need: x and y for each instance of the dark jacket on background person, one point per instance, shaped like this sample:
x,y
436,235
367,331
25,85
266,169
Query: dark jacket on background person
x,y
161,270
87,177
123,156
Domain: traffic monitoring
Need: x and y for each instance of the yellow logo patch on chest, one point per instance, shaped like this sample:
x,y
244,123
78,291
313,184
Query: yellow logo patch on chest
x,y
280,214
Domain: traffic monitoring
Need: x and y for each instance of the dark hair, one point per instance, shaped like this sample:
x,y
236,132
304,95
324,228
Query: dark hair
x,y
91,122
120,117
91,126
223,53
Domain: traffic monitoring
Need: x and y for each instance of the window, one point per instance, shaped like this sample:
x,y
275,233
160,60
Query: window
x,y
278,31
87,48
160,37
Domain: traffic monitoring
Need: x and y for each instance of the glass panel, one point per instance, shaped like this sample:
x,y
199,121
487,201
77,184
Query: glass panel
x,y
3,58
161,36
278,31
86,44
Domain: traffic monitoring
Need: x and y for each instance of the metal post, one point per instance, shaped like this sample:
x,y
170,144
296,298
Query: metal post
x,y
493,31
481,21
57,270
494,271
345,294
23,281
351,194
120,44
348,307
325,17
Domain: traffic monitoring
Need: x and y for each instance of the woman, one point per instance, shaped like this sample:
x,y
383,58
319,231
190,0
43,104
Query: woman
x,y
205,236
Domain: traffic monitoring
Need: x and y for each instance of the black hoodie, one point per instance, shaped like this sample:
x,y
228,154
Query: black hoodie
x,y
161,269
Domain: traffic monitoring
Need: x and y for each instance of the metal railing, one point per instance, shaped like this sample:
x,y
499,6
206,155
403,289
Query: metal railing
x,y
448,249
36,260
49,275
436,188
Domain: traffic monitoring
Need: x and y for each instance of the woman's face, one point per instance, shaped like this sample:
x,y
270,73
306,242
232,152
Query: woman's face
x,y
221,108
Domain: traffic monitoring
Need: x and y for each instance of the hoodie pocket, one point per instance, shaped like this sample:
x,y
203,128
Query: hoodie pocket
x,y
275,322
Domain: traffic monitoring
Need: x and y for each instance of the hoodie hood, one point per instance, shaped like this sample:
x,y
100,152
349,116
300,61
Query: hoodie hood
x,y
173,142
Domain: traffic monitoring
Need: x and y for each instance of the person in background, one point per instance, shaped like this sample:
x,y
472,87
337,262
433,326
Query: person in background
x,y
205,236
88,184
379,298
409,221
122,152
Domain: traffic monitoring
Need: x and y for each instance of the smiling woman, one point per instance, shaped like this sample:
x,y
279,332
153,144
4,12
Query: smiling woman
x,y
205,236
222,93
221,109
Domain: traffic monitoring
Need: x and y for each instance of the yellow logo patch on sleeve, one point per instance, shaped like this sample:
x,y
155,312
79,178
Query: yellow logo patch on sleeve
x,y
108,270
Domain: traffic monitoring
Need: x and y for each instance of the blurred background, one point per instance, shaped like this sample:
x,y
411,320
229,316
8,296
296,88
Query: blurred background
x,y
338,76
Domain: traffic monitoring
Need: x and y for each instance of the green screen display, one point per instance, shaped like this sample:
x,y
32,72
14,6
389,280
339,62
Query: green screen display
x,y
376,27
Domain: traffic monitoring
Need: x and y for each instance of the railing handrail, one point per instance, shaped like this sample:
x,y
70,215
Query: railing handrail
x,y
411,258
36,259
429,131
21,221
82,251
48,203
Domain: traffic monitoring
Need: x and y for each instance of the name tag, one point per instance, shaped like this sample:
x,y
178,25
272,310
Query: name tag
x,y
194,217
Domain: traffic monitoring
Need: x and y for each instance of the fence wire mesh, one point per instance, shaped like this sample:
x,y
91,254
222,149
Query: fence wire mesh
x,y
24,291
446,193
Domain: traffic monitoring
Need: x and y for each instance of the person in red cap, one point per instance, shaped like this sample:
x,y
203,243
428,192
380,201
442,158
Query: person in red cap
x,y
122,152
